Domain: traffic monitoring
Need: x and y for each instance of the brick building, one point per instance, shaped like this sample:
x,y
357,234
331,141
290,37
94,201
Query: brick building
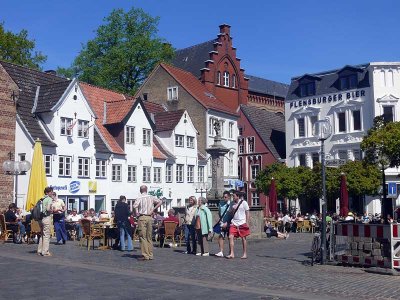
x,y
8,98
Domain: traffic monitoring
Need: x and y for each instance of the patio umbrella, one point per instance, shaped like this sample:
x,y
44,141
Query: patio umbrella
x,y
273,198
37,179
344,196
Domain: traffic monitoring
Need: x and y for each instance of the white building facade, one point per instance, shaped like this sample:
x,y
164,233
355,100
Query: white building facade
x,y
349,98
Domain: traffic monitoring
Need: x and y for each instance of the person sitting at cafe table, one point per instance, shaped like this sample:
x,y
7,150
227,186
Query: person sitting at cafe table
x,y
92,215
103,215
74,224
14,223
171,218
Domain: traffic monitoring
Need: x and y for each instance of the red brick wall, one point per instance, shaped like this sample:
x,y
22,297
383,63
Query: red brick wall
x,y
7,134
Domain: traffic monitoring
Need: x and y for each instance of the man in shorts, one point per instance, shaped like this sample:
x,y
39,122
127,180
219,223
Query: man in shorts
x,y
239,224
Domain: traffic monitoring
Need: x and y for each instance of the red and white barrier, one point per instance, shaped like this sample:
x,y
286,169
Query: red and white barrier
x,y
364,230
364,261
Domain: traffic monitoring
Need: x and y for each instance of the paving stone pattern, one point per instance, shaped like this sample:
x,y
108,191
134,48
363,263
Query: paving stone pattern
x,y
275,269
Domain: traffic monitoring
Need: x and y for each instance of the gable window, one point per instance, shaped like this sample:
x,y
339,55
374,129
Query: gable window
x,y
116,173
230,130
157,174
226,78
190,173
219,78
190,142
254,171
348,82
240,130
255,199
200,174
179,140
388,114
250,142
356,120
172,93
233,80
146,174
47,164
66,126
101,167
64,165
146,137
302,159
83,128
342,122
168,173
301,131
241,146
179,173
83,166
131,173
307,89
130,134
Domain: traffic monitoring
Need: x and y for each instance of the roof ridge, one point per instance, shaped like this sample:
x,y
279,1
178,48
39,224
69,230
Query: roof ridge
x,y
122,100
53,83
193,46
266,79
332,70
102,88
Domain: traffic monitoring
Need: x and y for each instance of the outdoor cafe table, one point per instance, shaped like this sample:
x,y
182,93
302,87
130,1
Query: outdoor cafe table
x,y
105,227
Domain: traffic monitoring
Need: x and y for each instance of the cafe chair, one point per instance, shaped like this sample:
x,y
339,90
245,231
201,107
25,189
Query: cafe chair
x,y
35,231
307,226
90,233
5,233
170,227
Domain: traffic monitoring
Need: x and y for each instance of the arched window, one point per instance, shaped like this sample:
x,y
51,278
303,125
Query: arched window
x,y
226,78
219,78
233,80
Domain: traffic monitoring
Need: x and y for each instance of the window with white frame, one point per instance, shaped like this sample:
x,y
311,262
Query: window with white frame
x,y
190,141
116,174
66,126
146,174
83,128
341,117
357,154
231,162
101,168
255,199
157,174
179,173
254,171
64,165
83,166
342,154
130,134
211,123
172,93
219,78
226,78
200,174
301,130
222,127
315,158
190,173
233,80
241,146
388,115
356,120
230,130
250,143
179,140
168,173
146,137
313,120
302,160
47,164
132,173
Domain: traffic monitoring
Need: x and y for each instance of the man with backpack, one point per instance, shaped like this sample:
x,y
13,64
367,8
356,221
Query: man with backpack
x,y
45,223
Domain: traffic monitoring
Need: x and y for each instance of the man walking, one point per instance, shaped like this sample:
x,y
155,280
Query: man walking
x,y
122,214
146,205
45,223
223,212
239,224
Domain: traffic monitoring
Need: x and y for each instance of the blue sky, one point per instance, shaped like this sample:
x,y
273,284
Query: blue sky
x,y
276,40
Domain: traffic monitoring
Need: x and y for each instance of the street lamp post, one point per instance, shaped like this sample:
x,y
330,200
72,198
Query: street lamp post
x,y
200,188
323,130
15,168
383,161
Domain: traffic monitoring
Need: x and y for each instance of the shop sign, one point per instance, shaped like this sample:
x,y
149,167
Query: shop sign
x,y
92,186
74,187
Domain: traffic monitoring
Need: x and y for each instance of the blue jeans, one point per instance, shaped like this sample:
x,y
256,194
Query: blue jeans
x,y
190,233
59,227
124,232
22,229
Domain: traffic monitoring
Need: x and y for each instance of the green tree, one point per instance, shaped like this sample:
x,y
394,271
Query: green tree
x,y
19,49
123,53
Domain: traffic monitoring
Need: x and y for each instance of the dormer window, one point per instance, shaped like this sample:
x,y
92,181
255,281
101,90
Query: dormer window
x,y
348,82
307,89
226,78
172,93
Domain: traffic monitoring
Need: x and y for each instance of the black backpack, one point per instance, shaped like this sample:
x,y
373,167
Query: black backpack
x,y
37,211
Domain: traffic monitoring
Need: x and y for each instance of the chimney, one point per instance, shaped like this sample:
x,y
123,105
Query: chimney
x,y
225,28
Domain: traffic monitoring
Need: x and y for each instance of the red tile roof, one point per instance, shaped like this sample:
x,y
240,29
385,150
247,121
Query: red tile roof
x,y
161,148
157,152
168,120
153,108
197,89
117,110
96,97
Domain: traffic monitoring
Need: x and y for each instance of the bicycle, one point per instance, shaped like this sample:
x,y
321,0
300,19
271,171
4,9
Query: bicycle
x,y
316,250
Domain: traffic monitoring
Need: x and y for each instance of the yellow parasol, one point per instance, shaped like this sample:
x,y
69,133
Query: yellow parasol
x,y
37,180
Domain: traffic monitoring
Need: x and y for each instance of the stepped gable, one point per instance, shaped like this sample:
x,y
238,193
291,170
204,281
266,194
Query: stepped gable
x,y
198,90
270,126
28,80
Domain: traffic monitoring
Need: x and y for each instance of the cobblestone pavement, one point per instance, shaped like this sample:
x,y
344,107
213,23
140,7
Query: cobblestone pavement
x,y
275,269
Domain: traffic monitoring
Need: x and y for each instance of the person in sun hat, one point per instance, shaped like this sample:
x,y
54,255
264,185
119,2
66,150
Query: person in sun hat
x,y
350,217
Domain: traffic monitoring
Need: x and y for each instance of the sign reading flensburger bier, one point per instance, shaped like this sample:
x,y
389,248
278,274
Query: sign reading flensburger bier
x,y
328,98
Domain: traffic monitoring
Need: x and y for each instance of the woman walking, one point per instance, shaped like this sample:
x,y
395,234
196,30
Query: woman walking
x,y
203,226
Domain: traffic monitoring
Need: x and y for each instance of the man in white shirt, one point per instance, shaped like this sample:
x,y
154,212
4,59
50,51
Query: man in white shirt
x,y
74,224
239,224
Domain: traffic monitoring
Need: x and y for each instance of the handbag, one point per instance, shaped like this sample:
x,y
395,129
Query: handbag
x,y
217,228
197,224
